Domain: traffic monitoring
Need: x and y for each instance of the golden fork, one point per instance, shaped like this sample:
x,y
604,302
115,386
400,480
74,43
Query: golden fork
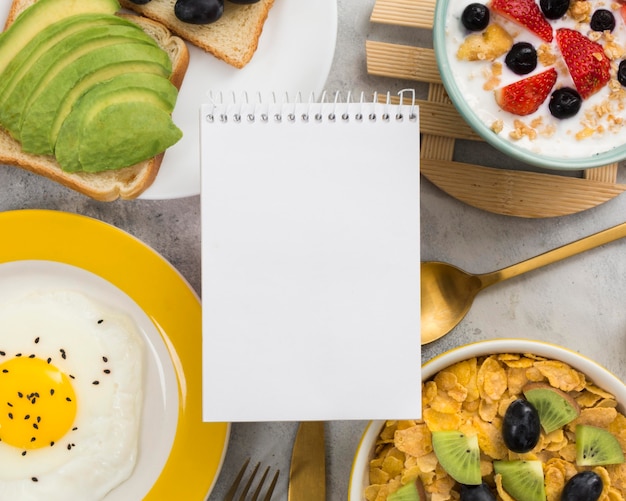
x,y
230,495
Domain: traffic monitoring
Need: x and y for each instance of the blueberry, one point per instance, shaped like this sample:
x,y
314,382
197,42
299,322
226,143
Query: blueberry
x,y
199,11
564,103
586,485
621,73
522,58
480,492
554,9
520,426
602,20
475,17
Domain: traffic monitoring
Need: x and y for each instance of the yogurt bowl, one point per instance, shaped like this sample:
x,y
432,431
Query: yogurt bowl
x,y
593,137
596,378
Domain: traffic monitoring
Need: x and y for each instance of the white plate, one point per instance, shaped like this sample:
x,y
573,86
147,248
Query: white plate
x,y
160,405
295,53
180,456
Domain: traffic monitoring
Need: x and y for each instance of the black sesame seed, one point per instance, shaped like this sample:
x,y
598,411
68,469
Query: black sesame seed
x,y
35,479
36,426
39,419
36,340
32,439
32,355
51,391
23,453
10,415
18,354
33,400
68,399
27,416
5,371
107,371
105,359
75,428
100,321
20,394
95,383
51,444
3,353
71,377
69,447
49,360
9,404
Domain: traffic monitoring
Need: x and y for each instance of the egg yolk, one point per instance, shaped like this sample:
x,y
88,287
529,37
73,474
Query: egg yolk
x,y
37,403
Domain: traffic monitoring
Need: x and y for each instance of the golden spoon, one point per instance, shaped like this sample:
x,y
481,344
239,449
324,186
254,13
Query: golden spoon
x,y
448,292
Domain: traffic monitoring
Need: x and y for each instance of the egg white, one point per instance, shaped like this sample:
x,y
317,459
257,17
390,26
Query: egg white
x,y
83,339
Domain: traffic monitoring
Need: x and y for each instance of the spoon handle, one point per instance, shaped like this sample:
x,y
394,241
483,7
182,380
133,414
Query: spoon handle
x,y
552,256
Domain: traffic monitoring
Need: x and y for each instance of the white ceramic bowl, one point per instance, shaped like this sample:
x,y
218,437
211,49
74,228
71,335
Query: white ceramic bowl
x,y
475,105
595,372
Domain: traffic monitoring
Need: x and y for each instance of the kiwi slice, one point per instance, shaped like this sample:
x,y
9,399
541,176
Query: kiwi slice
x,y
555,407
597,446
521,479
459,455
413,491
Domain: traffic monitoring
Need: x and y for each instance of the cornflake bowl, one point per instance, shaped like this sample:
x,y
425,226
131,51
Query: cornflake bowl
x,y
601,377
575,143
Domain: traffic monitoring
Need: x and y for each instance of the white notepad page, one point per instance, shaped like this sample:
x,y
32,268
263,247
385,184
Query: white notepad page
x,y
310,262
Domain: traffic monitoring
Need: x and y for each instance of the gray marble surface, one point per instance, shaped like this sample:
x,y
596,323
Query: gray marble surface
x,y
578,303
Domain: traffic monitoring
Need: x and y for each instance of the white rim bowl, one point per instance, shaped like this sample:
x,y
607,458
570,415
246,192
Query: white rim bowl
x,y
446,70
595,372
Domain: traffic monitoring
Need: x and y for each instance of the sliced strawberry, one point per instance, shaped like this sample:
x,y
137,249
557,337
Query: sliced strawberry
x,y
526,13
525,96
586,61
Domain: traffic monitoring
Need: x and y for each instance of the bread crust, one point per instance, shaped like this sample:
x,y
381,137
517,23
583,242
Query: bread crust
x,y
233,38
126,183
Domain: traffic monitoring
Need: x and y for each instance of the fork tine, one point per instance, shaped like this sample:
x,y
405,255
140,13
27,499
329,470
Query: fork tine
x,y
230,495
270,491
232,492
249,483
255,496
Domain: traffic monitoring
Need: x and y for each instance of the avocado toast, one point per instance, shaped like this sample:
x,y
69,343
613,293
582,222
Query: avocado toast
x,y
130,127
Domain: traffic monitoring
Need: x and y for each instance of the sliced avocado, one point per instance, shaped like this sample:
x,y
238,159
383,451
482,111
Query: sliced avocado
x,y
46,39
41,14
132,132
132,124
84,43
73,81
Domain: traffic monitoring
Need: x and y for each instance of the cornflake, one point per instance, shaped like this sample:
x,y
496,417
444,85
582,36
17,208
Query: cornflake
x,y
472,396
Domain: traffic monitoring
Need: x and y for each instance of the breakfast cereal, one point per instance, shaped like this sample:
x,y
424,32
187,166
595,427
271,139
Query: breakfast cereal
x,y
472,397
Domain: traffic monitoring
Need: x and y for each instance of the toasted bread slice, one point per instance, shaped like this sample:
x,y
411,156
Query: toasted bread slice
x,y
233,38
126,183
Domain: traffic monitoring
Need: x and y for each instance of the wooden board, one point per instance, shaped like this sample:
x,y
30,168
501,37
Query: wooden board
x,y
502,191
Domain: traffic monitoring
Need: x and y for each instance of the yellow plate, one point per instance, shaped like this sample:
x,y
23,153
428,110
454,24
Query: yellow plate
x,y
168,300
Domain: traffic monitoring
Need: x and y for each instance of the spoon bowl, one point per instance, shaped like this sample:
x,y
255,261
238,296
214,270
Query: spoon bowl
x,y
447,292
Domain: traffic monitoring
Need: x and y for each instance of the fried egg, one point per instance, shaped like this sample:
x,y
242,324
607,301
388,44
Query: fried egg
x,y
70,397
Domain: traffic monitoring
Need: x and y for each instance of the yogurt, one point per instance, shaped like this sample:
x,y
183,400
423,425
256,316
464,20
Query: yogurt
x,y
598,127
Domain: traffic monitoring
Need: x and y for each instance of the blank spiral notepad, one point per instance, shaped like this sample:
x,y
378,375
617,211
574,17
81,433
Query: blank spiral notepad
x,y
310,260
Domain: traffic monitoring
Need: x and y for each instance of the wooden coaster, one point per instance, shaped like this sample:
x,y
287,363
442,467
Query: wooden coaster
x,y
502,191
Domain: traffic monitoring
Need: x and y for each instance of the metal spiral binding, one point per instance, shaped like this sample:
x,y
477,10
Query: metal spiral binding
x,y
236,107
